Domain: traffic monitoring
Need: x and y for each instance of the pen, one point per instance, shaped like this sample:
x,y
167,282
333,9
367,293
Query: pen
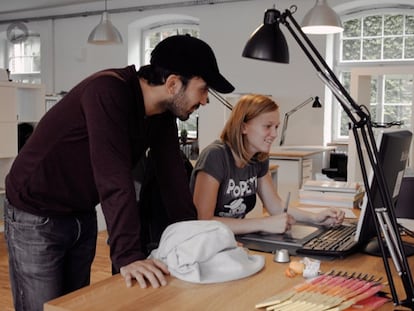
x,y
287,203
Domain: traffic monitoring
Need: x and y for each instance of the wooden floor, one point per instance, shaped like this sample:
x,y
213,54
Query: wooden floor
x,y
101,269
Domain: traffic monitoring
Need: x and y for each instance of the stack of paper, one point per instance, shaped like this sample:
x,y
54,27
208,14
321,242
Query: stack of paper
x,y
331,193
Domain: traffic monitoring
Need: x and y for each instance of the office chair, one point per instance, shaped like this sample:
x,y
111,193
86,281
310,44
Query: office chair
x,y
337,169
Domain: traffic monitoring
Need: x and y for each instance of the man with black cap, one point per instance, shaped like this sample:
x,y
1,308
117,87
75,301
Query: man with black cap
x,y
82,153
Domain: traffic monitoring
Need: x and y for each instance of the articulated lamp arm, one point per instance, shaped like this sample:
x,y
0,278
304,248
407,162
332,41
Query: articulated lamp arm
x,y
221,99
362,126
286,118
269,43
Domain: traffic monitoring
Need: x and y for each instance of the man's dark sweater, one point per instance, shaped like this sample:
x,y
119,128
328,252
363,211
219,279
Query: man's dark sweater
x,y
83,151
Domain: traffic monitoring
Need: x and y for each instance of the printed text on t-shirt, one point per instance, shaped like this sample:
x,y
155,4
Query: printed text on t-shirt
x,y
245,187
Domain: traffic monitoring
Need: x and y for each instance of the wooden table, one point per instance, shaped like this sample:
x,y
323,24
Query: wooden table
x,y
111,294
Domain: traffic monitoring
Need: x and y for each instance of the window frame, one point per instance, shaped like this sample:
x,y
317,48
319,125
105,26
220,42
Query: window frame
x,y
340,67
25,76
164,26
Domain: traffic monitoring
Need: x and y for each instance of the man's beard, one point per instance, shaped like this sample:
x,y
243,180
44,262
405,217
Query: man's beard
x,y
178,104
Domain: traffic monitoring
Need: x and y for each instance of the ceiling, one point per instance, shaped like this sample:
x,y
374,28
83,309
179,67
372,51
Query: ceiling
x,y
26,6
14,10
18,6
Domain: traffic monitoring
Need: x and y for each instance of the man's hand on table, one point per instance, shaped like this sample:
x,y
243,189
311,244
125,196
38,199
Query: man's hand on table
x,y
150,270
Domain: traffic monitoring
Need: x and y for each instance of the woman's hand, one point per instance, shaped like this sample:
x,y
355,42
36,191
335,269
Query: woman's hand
x,y
150,270
330,217
277,223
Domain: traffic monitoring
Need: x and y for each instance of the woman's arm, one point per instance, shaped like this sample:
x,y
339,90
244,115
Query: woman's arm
x,y
274,205
205,197
269,196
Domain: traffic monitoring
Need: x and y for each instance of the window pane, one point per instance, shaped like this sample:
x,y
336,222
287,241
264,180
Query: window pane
x,y
393,25
352,28
396,32
344,130
398,99
168,33
409,25
373,113
24,57
36,64
394,113
346,80
374,90
371,49
392,90
405,116
374,98
406,89
192,32
388,37
156,34
398,89
409,48
373,25
351,50
154,38
393,48
344,123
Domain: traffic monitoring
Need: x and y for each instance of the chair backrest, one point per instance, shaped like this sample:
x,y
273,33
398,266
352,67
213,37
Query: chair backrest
x,y
338,166
24,130
339,160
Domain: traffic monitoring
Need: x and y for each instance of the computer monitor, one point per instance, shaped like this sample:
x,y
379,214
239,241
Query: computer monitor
x,y
405,204
393,149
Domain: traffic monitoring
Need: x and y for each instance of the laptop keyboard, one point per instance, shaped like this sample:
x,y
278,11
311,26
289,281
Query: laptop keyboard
x,y
338,241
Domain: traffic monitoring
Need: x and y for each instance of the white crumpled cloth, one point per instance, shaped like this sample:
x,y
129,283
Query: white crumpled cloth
x,y
205,251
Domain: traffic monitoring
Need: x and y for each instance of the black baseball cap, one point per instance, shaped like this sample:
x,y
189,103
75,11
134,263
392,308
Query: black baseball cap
x,y
189,56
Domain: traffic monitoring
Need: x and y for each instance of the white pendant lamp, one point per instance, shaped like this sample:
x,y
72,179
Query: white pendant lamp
x,y
321,19
105,32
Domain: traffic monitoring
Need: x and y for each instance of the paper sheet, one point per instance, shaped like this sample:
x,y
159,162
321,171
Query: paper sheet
x,y
406,222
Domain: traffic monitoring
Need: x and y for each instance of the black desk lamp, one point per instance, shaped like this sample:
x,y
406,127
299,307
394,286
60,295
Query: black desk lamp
x,y
221,99
316,104
268,43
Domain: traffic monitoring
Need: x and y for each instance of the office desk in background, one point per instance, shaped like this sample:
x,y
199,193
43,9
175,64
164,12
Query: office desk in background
x,y
112,294
296,164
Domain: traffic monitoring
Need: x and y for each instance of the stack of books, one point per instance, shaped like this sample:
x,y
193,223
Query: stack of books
x,y
332,193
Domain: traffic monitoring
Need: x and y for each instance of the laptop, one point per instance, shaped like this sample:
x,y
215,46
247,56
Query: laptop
x,y
291,240
306,239
311,240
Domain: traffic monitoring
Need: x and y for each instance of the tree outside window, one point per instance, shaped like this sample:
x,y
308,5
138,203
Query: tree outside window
x,y
370,40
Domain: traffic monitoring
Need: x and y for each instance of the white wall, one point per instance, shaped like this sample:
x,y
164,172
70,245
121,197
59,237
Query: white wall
x,y
67,58
226,27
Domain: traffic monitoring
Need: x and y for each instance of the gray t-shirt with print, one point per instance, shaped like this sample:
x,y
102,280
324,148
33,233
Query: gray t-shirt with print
x,y
238,186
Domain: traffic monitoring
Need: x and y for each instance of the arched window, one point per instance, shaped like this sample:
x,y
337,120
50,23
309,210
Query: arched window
x,y
151,36
156,33
23,59
375,52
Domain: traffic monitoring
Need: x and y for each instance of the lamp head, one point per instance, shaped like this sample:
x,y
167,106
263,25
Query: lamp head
x,y
105,32
316,103
267,42
321,19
